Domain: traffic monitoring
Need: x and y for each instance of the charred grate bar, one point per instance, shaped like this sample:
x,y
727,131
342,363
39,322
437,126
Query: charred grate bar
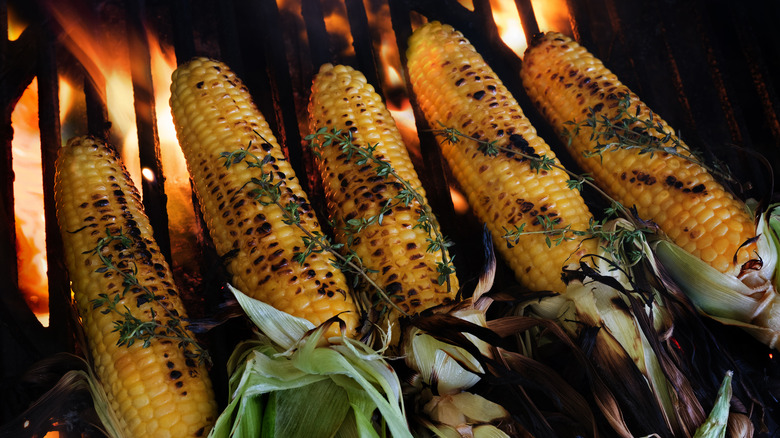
x,y
712,69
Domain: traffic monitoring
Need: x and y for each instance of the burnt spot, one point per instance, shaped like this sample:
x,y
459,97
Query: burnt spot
x,y
101,203
479,95
169,365
311,273
699,188
411,245
265,228
282,263
460,82
525,206
175,375
393,288
267,147
199,85
521,143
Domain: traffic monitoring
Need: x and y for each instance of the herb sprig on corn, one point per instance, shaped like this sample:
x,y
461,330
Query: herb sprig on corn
x,y
633,154
214,114
376,201
134,321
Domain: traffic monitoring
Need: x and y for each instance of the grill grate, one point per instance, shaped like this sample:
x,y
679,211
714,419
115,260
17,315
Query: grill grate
x,y
711,68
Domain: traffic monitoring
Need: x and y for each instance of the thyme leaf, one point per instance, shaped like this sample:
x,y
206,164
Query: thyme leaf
x,y
130,327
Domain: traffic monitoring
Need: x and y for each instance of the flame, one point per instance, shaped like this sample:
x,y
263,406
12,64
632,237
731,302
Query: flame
x,y
28,197
510,29
552,15
106,60
15,24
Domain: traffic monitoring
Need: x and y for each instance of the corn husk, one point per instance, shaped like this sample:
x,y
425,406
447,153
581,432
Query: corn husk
x,y
620,318
77,384
750,301
289,383
717,421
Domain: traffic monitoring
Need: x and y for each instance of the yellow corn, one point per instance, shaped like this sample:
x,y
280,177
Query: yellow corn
x,y
157,391
395,248
565,81
214,114
455,87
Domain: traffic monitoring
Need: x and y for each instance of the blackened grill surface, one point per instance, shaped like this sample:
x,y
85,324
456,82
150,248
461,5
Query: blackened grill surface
x,y
710,68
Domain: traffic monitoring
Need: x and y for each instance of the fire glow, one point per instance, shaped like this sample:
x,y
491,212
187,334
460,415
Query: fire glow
x,y
111,73
105,57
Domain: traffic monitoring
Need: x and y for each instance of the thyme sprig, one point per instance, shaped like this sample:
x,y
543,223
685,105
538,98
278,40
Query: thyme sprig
x,y
266,189
131,328
407,194
613,241
629,130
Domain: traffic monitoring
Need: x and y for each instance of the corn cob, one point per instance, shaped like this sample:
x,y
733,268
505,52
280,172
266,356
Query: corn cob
x,y
566,82
214,114
395,248
455,87
158,390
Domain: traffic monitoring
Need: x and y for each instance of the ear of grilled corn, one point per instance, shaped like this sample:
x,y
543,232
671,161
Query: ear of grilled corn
x,y
214,114
456,88
395,248
159,389
566,82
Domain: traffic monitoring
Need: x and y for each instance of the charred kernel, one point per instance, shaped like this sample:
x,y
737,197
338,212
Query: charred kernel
x,y
479,95
175,375
393,288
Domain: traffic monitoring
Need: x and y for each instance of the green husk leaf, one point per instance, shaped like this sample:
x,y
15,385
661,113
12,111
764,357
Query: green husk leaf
x,y
324,401
774,226
283,328
750,302
252,411
717,421
307,387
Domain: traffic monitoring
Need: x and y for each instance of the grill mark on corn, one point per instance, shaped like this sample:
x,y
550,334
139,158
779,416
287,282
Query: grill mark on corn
x,y
360,191
603,92
248,226
496,116
121,200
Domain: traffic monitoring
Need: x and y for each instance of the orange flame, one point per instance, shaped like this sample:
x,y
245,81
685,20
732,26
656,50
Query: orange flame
x,y
28,197
507,20
106,60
